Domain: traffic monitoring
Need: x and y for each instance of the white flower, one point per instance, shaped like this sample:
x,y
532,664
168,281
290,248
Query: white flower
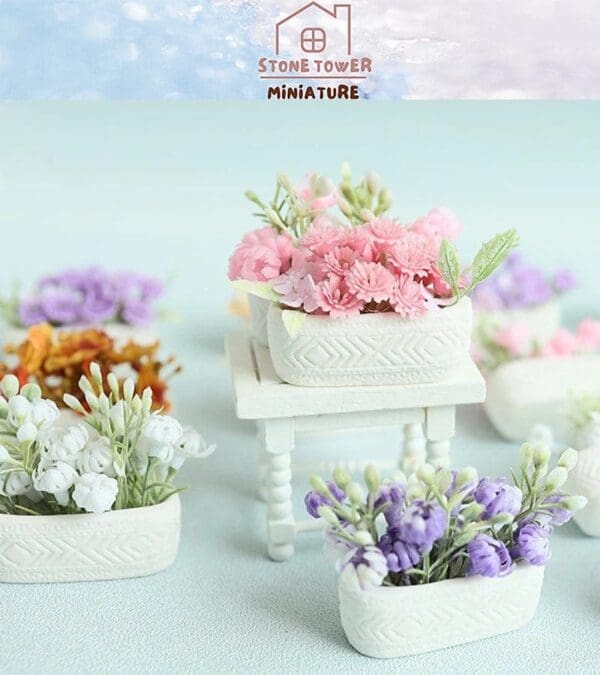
x,y
4,454
27,432
18,483
97,457
64,445
54,478
44,412
95,492
158,437
190,445
117,417
19,410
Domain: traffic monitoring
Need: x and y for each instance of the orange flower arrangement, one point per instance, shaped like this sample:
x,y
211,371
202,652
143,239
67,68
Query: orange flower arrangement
x,y
57,360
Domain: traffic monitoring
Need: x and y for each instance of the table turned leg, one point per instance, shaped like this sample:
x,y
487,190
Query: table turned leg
x,y
413,452
278,443
263,462
439,429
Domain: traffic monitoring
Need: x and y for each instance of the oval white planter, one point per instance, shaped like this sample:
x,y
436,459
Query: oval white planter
x,y
532,391
389,622
89,547
371,349
542,321
584,480
259,309
121,333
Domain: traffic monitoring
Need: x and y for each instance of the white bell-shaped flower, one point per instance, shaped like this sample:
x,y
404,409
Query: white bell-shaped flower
x,y
17,483
159,435
44,412
54,478
65,444
19,410
95,492
190,445
27,433
96,457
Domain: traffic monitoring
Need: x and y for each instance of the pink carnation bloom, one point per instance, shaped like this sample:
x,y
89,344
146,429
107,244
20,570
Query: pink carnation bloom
x,y
414,255
262,255
385,230
408,298
318,192
437,284
515,339
362,242
306,262
438,224
339,260
564,343
323,236
588,334
335,299
370,281
297,290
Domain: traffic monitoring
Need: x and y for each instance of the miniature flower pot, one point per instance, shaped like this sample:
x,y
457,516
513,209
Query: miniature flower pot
x,y
371,349
532,391
387,622
584,480
259,309
89,547
542,321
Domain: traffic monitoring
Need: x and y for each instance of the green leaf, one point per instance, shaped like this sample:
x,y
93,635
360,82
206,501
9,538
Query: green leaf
x,y
492,254
293,321
262,289
449,264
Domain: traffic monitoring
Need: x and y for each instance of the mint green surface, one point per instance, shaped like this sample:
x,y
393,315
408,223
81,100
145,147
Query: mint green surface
x,y
158,187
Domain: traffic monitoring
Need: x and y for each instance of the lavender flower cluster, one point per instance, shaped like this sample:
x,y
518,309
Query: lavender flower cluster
x,y
440,523
519,284
90,297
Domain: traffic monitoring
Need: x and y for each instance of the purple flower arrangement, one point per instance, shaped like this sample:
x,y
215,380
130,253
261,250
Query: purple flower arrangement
x,y
91,296
519,284
440,523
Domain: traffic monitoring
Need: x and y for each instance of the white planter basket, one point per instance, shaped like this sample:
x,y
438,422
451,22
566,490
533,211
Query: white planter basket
x,y
532,391
584,480
371,349
119,332
259,309
89,547
389,622
542,321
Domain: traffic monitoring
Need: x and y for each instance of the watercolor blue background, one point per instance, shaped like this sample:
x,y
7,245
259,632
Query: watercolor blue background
x,y
159,187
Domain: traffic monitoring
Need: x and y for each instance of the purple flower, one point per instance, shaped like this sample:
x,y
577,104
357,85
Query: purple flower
x,y
391,496
369,566
313,500
422,523
30,312
533,543
136,313
564,280
498,497
488,557
560,516
62,306
399,554
98,308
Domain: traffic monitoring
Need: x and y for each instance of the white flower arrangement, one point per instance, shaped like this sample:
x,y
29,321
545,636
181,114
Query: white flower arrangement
x,y
120,456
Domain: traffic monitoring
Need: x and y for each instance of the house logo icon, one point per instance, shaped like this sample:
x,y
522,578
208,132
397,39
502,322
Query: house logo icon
x,y
314,29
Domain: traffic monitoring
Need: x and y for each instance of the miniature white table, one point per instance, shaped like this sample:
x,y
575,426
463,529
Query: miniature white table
x,y
283,410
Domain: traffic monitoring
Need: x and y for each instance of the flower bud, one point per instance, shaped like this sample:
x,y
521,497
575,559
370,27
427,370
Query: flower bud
x,y
136,405
526,453
346,172
468,533
568,459
385,200
372,479
3,408
92,400
27,433
253,197
103,404
443,480
9,385
373,183
128,389
319,485
541,457
366,215
96,373
73,403
345,207
399,476
556,478
501,519
32,392
327,513
574,502
363,538
466,476
355,494
274,218
426,473
472,511
113,384
285,182
85,385
147,400
341,477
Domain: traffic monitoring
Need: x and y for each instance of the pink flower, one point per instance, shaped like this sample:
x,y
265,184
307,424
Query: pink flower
x,y
437,284
318,192
564,343
408,298
515,339
414,255
306,262
262,255
438,224
361,240
340,259
323,236
588,334
370,281
335,299
385,230
297,290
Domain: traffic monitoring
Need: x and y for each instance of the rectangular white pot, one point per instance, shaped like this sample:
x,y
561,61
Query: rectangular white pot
x,y
259,308
542,321
584,480
388,622
532,391
89,547
371,349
